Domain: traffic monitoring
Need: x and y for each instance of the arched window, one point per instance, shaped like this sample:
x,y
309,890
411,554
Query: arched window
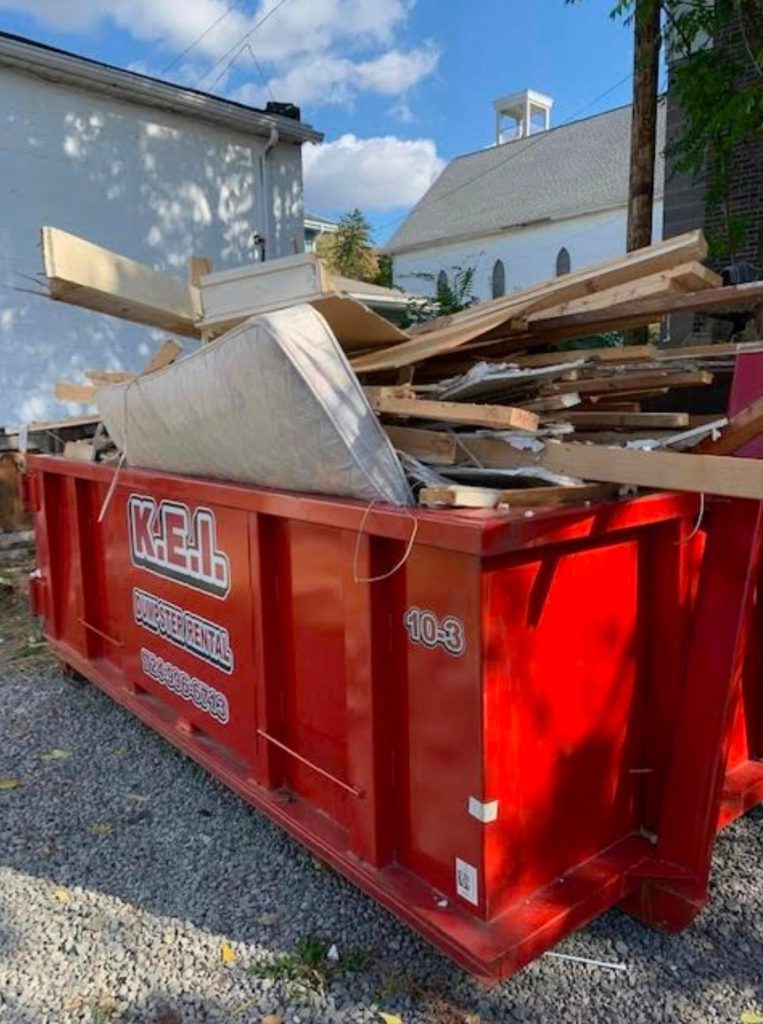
x,y
563,262
499,279
442,282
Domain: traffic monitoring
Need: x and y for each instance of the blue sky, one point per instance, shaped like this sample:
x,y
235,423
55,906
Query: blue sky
x,y
398,86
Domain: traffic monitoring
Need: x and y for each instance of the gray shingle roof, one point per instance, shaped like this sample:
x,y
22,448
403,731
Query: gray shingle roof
x,y
576,168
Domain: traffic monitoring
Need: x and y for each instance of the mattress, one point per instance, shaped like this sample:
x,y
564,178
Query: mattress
x,y
274,402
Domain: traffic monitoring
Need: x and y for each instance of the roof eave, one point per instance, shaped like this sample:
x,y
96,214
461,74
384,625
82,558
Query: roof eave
x,y
470,236
57,66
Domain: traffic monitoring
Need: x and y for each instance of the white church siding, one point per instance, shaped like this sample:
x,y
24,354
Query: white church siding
x,y
528,253
155,185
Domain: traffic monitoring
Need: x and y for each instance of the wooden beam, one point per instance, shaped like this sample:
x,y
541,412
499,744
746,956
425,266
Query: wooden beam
x,y
744,427
465,496
637,420
431,446
632,382
504,417
488,316
86,275
645,311
609,354
720,350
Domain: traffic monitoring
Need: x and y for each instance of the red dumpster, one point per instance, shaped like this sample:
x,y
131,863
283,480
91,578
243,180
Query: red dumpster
x,y
525,724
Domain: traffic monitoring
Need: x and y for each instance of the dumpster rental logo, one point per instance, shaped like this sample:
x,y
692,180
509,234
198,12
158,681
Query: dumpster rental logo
x,y
184,629
171,541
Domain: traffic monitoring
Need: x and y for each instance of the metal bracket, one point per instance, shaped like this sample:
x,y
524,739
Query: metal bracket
x,y
484,812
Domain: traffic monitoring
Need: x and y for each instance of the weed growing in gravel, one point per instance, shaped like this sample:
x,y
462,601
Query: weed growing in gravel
x,y
309,966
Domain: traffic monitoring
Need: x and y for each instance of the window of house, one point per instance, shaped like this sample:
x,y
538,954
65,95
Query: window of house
x,y
499,279
442,282
563,262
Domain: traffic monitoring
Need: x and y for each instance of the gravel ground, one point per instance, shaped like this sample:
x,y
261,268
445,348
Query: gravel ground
x,y
125,871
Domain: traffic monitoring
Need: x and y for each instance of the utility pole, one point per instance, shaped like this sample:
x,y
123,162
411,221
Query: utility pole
x,y
646,57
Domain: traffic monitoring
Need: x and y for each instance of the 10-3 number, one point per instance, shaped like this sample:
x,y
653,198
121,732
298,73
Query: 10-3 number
x,y
423,627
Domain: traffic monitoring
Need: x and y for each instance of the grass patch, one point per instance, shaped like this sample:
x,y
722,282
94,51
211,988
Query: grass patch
x,y
309,966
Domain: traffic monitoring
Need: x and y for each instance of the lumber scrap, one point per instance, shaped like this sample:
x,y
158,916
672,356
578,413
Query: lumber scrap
x,y
630,383
740,429
65,391
608,419
646,311
502,417
477,321
83,274
687,277
230,296
435,447
167,353
605,354
467,496
355,326
718,350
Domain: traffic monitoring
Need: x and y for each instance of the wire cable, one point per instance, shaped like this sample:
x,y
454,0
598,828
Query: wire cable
x,y
238,46
231,7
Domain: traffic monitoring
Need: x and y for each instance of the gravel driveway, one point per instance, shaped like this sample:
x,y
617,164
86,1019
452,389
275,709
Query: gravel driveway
x,y
128,877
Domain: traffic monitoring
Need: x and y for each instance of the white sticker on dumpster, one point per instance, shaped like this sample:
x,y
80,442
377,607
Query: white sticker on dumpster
x,y
467,885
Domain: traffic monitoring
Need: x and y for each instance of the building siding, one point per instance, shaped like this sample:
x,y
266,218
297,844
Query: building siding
x,y
528,254
155,186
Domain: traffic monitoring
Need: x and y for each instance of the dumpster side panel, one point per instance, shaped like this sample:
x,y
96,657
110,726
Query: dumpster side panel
x,y
563,648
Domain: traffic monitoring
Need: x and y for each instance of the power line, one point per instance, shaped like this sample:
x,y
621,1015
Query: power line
x,y
231,7
534,141
238,47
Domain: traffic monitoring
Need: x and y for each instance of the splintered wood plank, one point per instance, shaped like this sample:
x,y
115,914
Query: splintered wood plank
x,y
553,403
464,496
744,427
720,350
504,417
607,419
430,446
100,377
167,353
631,382
68,392
451,332
610,354
87,275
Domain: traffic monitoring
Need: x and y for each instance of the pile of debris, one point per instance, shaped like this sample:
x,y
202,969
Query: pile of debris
x,y
484,408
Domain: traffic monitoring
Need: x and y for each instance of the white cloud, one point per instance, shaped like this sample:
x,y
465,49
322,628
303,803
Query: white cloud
x,y
328,79
374,174
301,26
314,51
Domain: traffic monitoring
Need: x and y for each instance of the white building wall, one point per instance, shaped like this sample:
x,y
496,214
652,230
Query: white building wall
x,y
528,253
155,186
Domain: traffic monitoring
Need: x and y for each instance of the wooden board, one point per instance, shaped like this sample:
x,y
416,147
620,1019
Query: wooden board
x,y
431,446
68,392
641,420
444,336
86,275
230,296
504,417
355,326
610,354
167,353
464,496
672,471
631,382
744,427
